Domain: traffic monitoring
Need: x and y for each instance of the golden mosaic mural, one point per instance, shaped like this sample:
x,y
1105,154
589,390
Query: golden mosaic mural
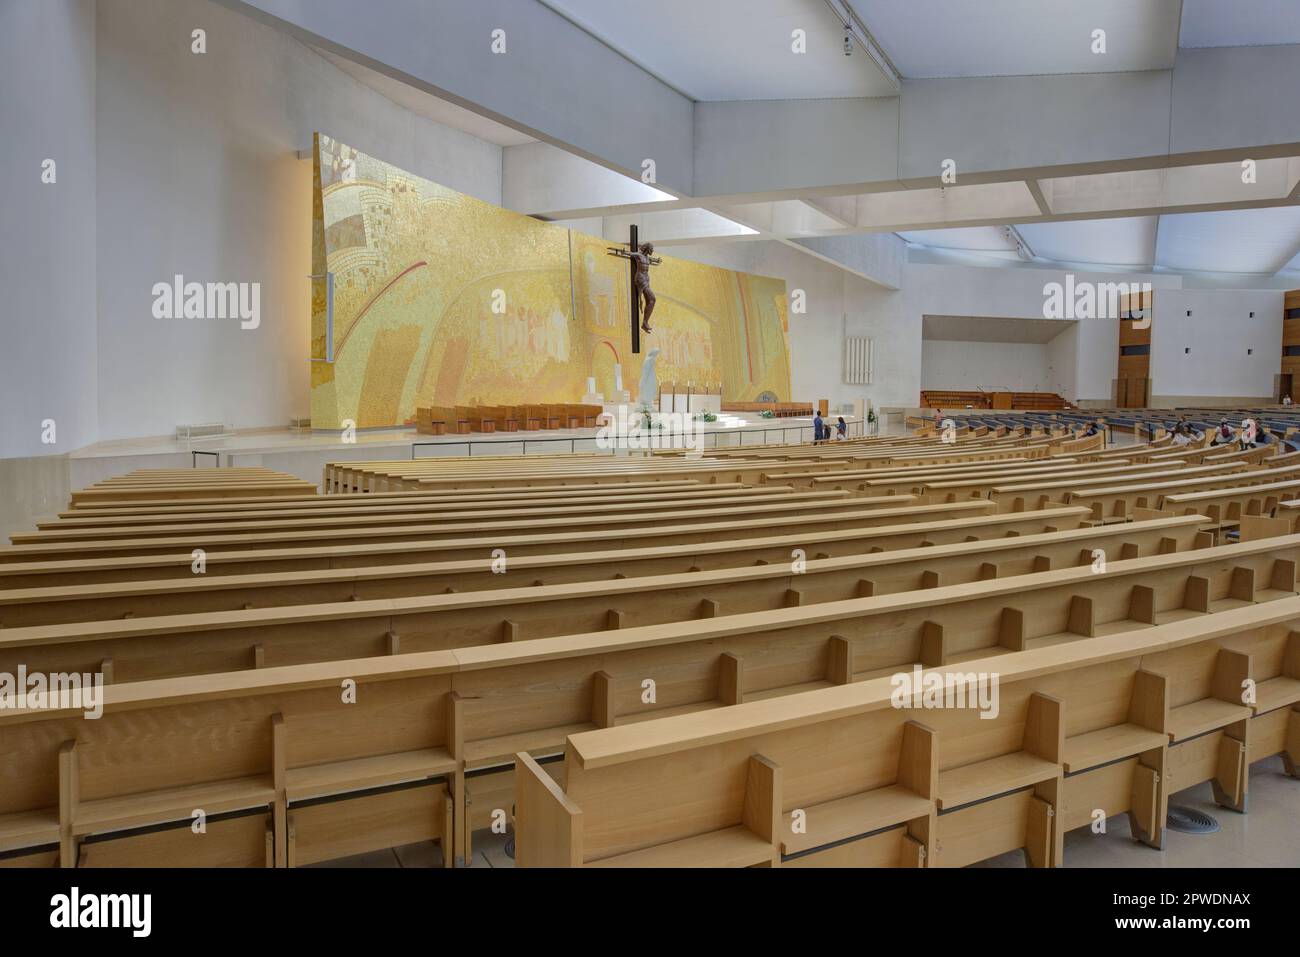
x,y
442,299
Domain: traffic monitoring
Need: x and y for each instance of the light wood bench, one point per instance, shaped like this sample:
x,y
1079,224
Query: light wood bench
x,y
186,484
1118,502
609,514
1033,494
683,524
967,486
923,566
146,514
171,645
1225,508
163,745
773,543
845,777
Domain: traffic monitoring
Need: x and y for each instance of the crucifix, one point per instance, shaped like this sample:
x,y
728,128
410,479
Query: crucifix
x,y
640,258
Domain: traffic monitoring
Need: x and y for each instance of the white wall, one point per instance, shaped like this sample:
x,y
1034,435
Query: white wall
x,y
1063,363
47,312
198,176
816,336
1079,363
172,162
1218,332
990,366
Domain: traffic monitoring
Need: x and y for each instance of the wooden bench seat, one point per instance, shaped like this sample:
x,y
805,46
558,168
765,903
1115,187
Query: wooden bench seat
x,y
730,847
147,648
399,502
142,809
1199,717
910,530
534,689
454,517
632,789
1092,749
843,818
982,779
1120,501
682,524
925,566
1021,495
28,829
1226,507
359,774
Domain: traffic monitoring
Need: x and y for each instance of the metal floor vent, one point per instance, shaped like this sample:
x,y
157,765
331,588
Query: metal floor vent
x,y
1188,820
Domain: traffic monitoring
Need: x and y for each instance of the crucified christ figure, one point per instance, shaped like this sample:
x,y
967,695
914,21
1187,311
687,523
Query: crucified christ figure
x,y
643,259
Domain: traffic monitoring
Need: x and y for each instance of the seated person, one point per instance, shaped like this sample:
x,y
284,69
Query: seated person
x,y
1091,430
1224,434
1249,434
1182,435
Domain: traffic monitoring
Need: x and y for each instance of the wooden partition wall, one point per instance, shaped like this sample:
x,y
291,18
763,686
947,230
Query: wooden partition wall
x,y
1289,383
1133,369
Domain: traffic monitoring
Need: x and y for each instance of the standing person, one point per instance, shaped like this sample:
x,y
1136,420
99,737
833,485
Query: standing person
x,y
841,429
819,426
1286,400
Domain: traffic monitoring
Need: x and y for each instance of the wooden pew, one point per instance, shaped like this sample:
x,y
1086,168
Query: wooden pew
x,y
397,502
352,728
1033,494
773,544
847,777
593,490
921,566
952,488
1226,508
683,525
163,645
446,473
522,514
1118,502
186,484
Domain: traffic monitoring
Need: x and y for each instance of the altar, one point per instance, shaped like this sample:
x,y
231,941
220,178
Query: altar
x,y
675,397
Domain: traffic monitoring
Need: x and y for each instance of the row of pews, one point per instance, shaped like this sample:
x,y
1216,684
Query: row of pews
x,y
658,660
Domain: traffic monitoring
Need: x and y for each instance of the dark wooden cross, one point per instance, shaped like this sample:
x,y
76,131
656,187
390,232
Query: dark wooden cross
x,y
636,261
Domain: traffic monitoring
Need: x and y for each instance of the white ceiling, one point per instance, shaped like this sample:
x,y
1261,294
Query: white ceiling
x,y
951,38
1239,23
1238,240
992,328
740,50
732,49
1119,242
982,239
1252,241
428,105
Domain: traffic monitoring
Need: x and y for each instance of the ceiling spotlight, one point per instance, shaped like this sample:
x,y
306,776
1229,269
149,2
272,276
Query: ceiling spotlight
x,y
848,40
